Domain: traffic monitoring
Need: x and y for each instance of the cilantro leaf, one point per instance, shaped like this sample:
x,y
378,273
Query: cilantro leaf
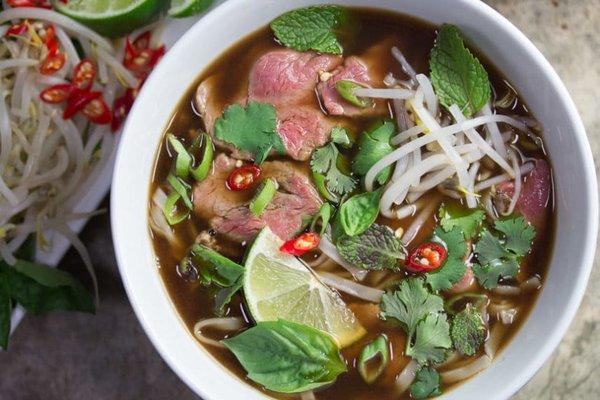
x,y
469,221
372,147
409,304
252,129
457,76
489,274
340,136
467,331
375,249
324,161
310,28
454,267
431,341
426,384
490,248
518,235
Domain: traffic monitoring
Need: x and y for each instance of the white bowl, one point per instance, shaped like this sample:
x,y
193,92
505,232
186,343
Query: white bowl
x,y
501,42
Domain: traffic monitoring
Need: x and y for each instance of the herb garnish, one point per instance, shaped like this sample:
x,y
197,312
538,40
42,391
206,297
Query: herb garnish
x,y
310,28
359,212
374,145
252,129
324,161
454,267
287,357
375,249
467,331
469,221
426,384
457,76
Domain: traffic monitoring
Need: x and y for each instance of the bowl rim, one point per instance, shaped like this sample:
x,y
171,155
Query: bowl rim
x,y
562,323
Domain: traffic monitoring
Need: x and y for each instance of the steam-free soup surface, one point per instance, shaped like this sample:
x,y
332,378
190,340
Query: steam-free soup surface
x,y
370,35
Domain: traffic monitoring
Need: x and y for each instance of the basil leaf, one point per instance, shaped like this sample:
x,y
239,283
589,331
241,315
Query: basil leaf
x,y
375,249
377,351
457,76
359,212
373,146
287,357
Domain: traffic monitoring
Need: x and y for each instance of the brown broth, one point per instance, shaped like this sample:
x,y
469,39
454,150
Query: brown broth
x,y
415,38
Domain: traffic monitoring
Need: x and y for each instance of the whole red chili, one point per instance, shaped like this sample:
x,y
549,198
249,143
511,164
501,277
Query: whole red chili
x,y
243,177
302,244
426,257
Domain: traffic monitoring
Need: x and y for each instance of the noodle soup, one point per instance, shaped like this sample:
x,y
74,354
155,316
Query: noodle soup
x,y
362,209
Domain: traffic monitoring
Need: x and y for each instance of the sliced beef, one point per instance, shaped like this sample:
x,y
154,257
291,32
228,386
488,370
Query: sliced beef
x,y
295,202
353,70
302,130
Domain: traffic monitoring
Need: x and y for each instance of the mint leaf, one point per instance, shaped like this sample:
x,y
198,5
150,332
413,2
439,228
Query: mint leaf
x,y
426,384
359,212
324,161
457,76
287,357
467,331
469,221
454,267
431,341
409,304
310,28
252,129
518,235
375,249
374,145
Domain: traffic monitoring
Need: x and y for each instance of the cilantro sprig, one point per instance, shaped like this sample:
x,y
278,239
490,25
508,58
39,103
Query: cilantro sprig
x,y
324,161
469,221
454,267
426,384
499,252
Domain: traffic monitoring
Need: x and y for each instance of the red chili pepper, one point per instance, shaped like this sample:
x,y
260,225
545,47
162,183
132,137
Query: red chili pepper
x,y
142,42
158,54
78,100
17,29
243,177
50,41
301,244
57,93
83,75
121,108
97,111
426,257
29,3
52,64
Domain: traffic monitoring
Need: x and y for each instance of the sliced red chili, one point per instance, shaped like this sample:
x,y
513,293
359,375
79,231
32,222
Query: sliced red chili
x,y
29,3
426,257
142,42
121,108
50,41
243,177
83,75
78,100
301,244
52,64
157,55
57,93
97,111
17,29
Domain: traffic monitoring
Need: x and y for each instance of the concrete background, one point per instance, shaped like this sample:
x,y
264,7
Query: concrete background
x,y
73,356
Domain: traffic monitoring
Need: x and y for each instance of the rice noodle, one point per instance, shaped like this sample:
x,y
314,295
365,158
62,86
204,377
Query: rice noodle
x,y
467,371
488,183
310,395
406,377
329,249
507,316
533,283
506,290
223,324
494,339
517,185
389,93
419,221
352,288
430,98
495,135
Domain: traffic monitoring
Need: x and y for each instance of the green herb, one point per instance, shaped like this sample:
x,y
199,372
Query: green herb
x,y
324,161
373,146
469,221
310,28
377,351
375,249
426,384
252,129
457,76
346,91
420,314
264,194
287,357
39,289
467,331
340,136
454,266
321,185
359,212
499,255
322,218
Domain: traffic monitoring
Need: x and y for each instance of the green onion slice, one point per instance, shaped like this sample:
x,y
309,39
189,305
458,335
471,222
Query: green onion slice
x,y
322,188
263,196
183,161
346,90
201,172
181,188
373,359
324,215
172,213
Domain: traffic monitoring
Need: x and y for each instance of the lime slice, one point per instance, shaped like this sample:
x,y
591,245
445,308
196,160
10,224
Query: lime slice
x,y
113,18
187,8
279,286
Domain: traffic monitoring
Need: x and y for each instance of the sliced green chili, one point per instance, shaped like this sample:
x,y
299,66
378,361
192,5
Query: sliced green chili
x,y
377,352
201,172
324,215
265,193
322,187
183,161
181,188
346,90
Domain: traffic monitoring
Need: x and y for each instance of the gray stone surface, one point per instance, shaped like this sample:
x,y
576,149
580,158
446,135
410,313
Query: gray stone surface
x,y
73,356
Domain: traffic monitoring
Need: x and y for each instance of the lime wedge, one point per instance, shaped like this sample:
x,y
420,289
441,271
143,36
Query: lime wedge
x,y
187,8
280,286
112,18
